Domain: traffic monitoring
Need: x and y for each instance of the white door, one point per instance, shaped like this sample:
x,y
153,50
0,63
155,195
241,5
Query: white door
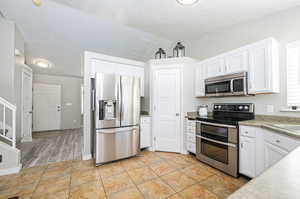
x,y
26,128
46,107
247,156
167,109
236,61
273,154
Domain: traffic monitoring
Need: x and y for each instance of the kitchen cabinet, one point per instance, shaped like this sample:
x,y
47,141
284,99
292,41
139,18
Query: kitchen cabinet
x,y
120,69
260,60
236,61
145,132
247,156
263,67
190,136
261,148
273,154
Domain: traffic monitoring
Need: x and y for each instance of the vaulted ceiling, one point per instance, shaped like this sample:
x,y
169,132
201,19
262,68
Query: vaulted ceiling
x,y
60,30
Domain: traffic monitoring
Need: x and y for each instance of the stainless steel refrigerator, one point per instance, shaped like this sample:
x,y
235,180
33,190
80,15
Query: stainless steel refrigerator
x,y
116,103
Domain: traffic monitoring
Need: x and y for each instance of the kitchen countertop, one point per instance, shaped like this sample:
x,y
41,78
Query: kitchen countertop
x,y
270,122
282,181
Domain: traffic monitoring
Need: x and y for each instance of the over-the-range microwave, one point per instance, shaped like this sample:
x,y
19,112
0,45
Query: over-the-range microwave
x,y
228,85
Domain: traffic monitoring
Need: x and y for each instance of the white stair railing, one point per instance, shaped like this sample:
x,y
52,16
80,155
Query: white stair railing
x,y
8,121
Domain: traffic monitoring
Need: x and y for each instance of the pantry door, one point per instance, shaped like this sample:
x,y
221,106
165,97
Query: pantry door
x,y
167,109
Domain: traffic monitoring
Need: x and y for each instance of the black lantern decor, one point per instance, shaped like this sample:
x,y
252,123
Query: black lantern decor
x,y
179,50
160,54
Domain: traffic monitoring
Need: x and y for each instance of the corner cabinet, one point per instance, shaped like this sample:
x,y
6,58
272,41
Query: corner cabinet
x,y
260,60
261,148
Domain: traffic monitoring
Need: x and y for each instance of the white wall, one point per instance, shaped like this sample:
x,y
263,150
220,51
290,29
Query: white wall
x,y
71,93
284,26
7,61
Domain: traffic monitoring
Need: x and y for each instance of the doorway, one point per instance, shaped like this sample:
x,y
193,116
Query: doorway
x,y
46,107
166,96
26,106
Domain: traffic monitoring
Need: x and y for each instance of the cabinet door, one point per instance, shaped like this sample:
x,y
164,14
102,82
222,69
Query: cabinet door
x,y
199,80
259,68
145,135
236,61
247,156
214,67
272,154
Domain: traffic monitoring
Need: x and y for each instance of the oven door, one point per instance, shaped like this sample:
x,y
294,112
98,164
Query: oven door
x,y
217,146
218,88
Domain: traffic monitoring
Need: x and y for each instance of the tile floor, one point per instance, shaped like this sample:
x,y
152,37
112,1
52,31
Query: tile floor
x,y
50,147
153,175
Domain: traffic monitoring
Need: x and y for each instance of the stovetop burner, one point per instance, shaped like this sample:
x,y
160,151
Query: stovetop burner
x,y
230,114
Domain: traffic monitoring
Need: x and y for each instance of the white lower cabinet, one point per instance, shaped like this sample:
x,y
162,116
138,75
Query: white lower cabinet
x,y
260,149
247,156
190,136
145,132
273,154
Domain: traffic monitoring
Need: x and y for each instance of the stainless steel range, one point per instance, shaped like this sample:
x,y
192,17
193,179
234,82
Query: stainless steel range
x,y
217,137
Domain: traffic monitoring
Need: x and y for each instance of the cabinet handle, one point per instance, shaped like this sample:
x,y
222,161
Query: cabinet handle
x,y
242,145
246,132
278,141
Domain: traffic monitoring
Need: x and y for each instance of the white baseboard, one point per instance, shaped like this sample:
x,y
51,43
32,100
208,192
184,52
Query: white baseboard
x,y
87,156
26,139
10,170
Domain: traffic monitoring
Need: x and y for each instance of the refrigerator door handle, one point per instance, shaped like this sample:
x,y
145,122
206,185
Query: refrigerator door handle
x,y
93,99
117,130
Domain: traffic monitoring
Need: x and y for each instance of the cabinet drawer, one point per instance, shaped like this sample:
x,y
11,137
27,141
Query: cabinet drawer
x,y
191,147
190,137
281,141
247,131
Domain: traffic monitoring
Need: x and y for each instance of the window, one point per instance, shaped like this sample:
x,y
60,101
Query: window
x,y
293,74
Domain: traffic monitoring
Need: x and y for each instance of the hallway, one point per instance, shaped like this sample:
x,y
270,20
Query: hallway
x,y
50,147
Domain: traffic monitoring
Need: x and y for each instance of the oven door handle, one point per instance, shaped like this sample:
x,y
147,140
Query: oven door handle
x,y
219,125
215,141
231,86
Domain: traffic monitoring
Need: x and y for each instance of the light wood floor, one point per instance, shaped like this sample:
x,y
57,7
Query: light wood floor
x,y
50,147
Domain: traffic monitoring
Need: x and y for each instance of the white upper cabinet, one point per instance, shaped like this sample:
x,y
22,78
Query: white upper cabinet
x,y
260,60
236,61
264,67
214,67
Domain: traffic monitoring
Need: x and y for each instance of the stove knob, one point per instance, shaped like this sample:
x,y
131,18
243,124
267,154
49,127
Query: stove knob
x,y
216,107
246,107
219,106
241,107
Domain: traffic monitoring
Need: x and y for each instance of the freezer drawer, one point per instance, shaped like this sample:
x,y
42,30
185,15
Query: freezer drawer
x,y
115,144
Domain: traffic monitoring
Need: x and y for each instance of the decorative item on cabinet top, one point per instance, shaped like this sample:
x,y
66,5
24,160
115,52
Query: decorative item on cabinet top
x,y
160,54
179,50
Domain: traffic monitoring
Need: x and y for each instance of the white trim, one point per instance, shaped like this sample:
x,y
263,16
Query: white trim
x,y
87,156
10,170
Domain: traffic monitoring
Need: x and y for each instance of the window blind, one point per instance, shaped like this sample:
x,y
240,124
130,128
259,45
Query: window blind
x,y
293,74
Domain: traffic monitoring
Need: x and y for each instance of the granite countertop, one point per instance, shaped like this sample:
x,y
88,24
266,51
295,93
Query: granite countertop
x,y
282,181
271,122
145,114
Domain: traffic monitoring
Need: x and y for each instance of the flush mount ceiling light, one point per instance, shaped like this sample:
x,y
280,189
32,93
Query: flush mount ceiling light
x,y
186,2
42,63
37,2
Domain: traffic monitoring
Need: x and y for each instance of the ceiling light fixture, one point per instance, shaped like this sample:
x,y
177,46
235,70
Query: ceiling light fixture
x,y
187,2
37,2
43,63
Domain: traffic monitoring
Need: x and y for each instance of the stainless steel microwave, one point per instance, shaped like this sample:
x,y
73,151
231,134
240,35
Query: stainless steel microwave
x,y
227,85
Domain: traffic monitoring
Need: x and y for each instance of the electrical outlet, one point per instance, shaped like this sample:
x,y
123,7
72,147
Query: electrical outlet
x,y
270,108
